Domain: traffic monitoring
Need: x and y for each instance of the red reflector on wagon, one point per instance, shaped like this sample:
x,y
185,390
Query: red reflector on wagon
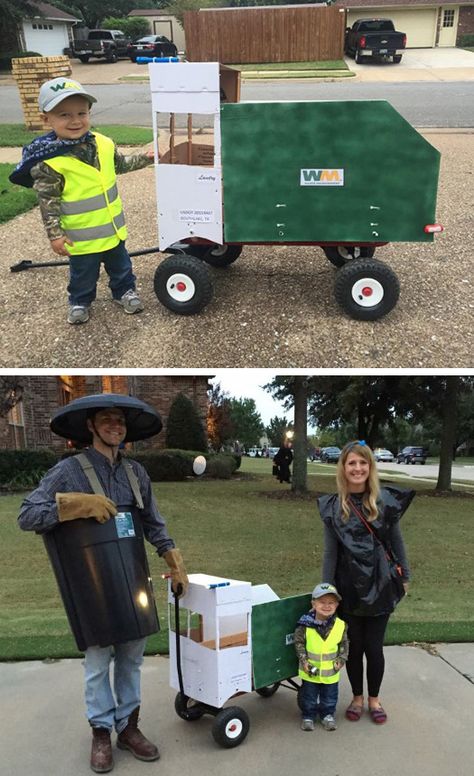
x,y
430,228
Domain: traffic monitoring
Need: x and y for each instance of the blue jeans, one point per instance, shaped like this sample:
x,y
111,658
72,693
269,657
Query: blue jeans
x,y
103,708
318,700
84,273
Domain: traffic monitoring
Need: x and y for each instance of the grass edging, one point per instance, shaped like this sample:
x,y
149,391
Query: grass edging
x,y
62,647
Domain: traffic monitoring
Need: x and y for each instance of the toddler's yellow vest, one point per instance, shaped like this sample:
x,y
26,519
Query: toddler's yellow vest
x,y
91,209
322,653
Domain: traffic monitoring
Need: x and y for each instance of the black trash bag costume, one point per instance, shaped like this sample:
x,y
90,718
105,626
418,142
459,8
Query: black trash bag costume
x,y
364,575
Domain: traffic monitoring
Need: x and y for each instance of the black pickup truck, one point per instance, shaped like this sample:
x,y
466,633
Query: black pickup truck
x,y
374,38
104,44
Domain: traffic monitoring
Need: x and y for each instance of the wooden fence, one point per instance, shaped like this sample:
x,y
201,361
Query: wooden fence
x,y
276,34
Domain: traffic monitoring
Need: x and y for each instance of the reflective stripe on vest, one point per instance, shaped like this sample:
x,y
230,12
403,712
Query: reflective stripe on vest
x,y
91,209
322,653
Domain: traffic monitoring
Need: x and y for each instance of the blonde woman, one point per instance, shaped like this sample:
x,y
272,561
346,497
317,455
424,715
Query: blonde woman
x,y
363,546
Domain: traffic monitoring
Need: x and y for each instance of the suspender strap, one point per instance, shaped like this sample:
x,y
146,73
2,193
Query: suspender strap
x,y
91,475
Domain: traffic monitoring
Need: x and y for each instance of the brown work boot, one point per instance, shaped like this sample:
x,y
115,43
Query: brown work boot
x,y
101,753
132,738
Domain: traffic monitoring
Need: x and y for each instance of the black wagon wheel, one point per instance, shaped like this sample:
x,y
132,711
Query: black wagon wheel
x,y
267,692
187,709
367,289
222,255
183,284
230,727
341,254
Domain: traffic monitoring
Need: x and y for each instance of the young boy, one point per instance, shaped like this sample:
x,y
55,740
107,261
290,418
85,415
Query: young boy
x,y
322,646
73,171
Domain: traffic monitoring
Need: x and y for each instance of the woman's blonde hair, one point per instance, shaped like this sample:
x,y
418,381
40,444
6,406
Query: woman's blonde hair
x,y
372,485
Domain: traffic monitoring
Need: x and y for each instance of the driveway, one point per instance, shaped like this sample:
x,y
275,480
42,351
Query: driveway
x,y
440,64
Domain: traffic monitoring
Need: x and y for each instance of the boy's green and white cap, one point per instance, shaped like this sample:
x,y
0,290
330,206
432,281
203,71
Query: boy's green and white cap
x,y
55,91
325,589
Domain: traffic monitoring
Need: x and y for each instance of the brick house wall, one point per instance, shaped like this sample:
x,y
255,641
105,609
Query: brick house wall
x,y
466,22
42,395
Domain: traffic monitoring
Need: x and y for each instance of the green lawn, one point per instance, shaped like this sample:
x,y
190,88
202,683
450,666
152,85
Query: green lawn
x,y
249,529
12,135
16,199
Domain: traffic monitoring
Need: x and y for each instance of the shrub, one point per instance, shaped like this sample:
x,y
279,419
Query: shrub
x,y
135,27
184,430
466,40
165,465
23,469
221,466
6,59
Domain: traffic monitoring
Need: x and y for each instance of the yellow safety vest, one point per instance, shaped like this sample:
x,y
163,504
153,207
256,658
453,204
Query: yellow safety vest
x,y
91,209
322,653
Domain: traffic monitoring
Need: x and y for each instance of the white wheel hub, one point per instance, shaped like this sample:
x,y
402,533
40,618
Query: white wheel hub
x,y
180,287
367,292
234,728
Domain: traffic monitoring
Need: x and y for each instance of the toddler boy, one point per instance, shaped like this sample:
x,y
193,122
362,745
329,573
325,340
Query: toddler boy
x,y
73,171
322,646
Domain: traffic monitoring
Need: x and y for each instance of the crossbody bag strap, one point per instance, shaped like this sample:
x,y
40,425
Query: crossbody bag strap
x,y
388,553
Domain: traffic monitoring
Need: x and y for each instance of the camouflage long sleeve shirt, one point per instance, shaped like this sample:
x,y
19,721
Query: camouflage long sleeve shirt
x,y
301,651
49,184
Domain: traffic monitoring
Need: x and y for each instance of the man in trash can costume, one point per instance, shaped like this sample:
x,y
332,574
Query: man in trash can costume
x,y
94,510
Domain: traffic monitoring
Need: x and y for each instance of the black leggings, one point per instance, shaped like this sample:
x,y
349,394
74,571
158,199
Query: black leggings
x,y
366,636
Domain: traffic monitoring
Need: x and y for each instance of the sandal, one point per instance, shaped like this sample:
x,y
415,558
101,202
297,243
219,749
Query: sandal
x,y
379,716
354,712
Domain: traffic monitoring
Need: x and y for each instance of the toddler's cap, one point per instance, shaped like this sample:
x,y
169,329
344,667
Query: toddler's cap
x,y
325,589
55,91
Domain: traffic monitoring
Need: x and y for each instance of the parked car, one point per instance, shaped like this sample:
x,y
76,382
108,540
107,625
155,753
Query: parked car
x,y
103,44
381,454
412,455
330,454
374,39
152,46
255,452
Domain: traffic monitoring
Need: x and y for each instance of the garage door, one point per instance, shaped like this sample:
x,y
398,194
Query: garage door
x,y
419,25
46,38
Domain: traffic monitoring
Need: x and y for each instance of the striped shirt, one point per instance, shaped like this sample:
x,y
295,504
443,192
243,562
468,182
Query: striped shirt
x,y
39,512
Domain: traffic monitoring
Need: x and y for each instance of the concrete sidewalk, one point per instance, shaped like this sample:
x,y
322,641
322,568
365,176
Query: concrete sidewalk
x,y
428,695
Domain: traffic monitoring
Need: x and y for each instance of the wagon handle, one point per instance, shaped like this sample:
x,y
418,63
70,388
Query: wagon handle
x,y
178,645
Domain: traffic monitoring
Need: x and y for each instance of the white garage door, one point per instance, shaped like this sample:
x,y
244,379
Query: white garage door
x,y
419,25
46,38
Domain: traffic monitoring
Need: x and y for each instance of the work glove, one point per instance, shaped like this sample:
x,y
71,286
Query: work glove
x,y
72,506
179,578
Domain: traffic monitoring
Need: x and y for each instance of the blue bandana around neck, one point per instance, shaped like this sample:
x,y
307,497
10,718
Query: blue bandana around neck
x,y
323,627
42,147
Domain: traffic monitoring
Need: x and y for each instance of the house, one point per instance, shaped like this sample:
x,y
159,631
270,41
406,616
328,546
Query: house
x,y
49,32
163,23
427,24
26,426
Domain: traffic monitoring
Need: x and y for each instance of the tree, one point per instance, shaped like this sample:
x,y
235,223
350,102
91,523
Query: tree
x,y
184,430
450,390
247,422
220,429
135,27
293,392
11,392
275,430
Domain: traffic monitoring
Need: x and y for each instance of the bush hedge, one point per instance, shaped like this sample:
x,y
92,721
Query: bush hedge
x,y
6,59
23,469
466,40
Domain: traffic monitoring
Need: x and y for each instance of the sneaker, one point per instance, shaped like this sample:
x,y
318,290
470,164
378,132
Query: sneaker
x,y
307,724
130,302
78,314
328,722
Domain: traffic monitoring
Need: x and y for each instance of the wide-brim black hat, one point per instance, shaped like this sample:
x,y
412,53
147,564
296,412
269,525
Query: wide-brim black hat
x,y
142,420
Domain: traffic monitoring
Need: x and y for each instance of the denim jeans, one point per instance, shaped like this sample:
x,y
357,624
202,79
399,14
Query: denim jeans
x,y
318,700
84,273
104,709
